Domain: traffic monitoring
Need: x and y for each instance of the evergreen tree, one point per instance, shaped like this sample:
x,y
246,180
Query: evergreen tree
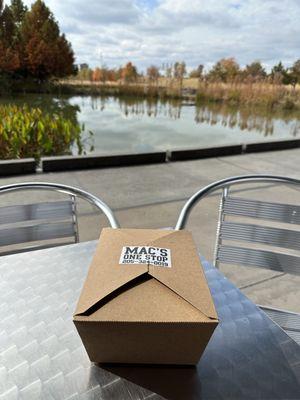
x,y
280,74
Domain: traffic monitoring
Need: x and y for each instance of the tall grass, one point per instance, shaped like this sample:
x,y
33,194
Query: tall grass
x,y
259,94
30,132
262,94
139,89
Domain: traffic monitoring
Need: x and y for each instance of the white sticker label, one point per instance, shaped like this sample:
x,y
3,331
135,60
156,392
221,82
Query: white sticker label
x,y
157,256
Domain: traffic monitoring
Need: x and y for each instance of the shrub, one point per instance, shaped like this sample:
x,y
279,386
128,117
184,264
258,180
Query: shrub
x,y
30,132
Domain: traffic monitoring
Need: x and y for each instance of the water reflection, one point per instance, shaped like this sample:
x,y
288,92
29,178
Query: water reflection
x,y
134,106
245,118
170,109
129,124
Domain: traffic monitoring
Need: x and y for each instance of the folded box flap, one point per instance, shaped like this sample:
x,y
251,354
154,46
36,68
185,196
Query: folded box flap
x,y
185,277
105,275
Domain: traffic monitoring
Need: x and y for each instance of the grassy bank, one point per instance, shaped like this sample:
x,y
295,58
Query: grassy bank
x,y
137,90
263,94
266,95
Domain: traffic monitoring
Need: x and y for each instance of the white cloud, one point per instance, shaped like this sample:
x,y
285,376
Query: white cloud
x,y
163,31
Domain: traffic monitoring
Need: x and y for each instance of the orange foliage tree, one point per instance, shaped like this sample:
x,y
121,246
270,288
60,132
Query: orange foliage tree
x,y
31,43
153,73
101,74
129,73
47,52
9,59
225,70
97,74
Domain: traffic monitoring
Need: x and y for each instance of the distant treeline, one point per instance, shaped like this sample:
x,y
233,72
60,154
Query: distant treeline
x,y
226,70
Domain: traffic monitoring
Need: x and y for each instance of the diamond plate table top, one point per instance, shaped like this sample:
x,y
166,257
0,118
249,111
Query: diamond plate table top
x,y
42,357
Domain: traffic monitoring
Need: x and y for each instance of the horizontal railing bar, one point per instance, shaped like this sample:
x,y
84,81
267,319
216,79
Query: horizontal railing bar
x,y
260,234
33,248
259,258
40,211
287,213
9,236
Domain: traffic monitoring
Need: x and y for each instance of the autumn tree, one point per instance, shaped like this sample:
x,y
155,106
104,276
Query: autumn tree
x,y
9,60
97,74
47,52
112,75
129,73
255,71
31,43
9,57
100,74
225,70
153,73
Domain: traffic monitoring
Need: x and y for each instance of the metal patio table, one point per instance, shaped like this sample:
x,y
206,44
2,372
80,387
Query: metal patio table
x,y
42,357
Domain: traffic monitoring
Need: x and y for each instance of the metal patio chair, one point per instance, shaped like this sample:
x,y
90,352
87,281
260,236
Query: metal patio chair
x,y
41,225
271,247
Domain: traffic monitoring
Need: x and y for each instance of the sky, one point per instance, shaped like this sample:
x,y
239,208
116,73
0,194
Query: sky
x,y
163,31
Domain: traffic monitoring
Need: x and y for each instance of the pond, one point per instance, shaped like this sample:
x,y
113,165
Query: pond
x,y
137,125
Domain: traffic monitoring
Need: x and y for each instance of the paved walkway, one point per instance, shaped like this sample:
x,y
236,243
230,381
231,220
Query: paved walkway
x,y
151,197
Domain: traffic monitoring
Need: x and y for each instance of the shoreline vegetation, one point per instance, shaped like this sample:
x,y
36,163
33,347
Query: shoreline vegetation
x,y
266,95
32,132
225,82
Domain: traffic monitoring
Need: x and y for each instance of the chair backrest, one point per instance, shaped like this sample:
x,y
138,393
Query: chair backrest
x,y
255,242
257,231
36,226
41,225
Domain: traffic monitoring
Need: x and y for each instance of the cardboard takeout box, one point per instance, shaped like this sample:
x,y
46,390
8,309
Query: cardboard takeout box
x,y
145,299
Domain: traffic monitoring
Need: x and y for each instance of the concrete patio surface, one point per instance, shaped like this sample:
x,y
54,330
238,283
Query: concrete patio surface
x,y
151,196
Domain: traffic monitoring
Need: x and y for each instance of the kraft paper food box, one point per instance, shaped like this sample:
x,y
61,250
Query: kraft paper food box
x,y
145,299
